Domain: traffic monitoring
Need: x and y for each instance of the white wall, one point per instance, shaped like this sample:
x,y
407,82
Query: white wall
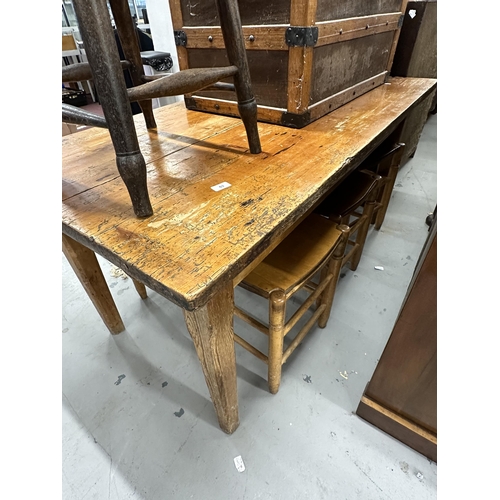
x,y
162,30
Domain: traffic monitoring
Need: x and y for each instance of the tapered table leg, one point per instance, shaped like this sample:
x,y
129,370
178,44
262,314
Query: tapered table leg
x,y
140,288
211,328
102,53
230,21
87,269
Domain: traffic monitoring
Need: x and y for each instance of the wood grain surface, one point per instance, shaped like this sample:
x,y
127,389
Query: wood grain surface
x,y
199,238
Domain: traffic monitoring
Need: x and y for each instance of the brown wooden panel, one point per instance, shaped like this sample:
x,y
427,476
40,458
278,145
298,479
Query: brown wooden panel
x,y
348,29
424,57
341,65
342,9
405,380
230,108
266,37
416,54
403,430
268,72
335,101
204,13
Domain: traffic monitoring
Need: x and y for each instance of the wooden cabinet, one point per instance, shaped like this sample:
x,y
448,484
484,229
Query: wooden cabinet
x,y
416,53
416,56
401,397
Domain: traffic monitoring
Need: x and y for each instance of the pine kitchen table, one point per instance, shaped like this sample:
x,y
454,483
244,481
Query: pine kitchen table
x,y
218,210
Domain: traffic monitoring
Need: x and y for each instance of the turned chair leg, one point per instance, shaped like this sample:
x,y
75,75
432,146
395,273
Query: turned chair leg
x,y
333,267
102,53
362,232
230,21
128,39
386,196
277,309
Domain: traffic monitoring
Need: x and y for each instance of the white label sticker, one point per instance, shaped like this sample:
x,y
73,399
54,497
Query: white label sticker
x,y
222,185
238,462
412,13
379,268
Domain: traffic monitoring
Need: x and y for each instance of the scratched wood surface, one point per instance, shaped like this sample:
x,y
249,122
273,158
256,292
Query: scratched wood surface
x,y
198,238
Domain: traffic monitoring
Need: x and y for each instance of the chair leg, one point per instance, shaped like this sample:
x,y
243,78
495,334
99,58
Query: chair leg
x,y
277,308
128,39
230,21
102,53
361,233
386,196
334,267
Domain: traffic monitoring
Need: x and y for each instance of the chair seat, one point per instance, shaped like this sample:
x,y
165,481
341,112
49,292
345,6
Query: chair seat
x,y
350,195
304,249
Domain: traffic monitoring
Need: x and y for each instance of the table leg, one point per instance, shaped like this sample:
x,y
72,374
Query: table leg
x,y
141,289
211,328
87,269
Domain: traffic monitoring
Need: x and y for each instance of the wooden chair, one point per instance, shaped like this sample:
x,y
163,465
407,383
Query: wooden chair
x,y
106,70
385,161
316,244
353,203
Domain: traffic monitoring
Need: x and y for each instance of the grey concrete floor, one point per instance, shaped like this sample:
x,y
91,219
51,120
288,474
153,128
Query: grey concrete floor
x,y
136,413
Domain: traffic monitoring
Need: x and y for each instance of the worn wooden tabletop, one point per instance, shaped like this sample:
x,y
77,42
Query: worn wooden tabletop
x,y
199,238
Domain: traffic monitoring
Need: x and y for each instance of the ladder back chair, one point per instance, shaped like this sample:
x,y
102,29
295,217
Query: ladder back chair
x,y
106,70
353,203
316,244
385,161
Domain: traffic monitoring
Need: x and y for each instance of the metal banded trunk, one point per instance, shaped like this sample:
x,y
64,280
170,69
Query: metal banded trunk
x,y
306,57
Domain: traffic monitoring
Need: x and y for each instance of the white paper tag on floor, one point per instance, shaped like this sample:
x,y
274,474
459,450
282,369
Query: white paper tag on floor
x,y
238,461
221,186
379,268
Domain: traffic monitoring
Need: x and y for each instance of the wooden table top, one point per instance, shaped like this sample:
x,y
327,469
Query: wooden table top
x,y
199,238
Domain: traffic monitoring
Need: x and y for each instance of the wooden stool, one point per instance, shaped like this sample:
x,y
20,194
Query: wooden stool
x,y
353,203
106,70
316,244
384,162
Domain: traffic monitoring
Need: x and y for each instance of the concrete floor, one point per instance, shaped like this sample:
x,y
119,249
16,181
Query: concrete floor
x,y
137,417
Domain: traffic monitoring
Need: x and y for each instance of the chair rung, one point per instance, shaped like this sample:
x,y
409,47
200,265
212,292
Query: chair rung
x,y
183,82
82,71
307,304
303,332
250,348
348,255
358,223
251,321
78,116
228,87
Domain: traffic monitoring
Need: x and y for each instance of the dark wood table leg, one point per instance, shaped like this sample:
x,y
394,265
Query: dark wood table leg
x,y
211,328
87,269
130,45
230,21
102,53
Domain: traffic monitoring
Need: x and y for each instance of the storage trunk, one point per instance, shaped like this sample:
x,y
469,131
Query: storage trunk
x,y
306,57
